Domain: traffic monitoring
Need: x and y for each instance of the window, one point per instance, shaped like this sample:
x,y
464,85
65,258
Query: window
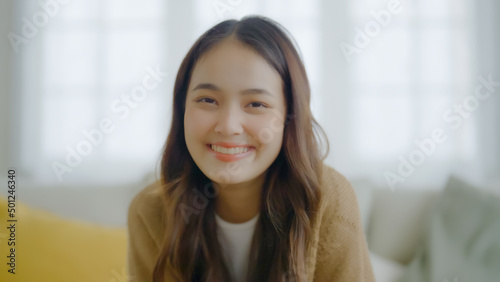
x,y
85,69
382,74
406,74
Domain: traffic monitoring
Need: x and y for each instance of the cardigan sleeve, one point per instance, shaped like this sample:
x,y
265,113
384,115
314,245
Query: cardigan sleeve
x,y
342,248
142,249
146,229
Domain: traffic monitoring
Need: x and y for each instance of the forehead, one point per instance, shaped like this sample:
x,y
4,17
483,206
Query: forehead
x,y
232,65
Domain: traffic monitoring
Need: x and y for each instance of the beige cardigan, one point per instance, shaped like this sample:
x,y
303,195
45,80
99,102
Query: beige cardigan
x,y
338,251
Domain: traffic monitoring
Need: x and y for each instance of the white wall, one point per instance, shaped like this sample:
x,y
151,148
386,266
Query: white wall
x,y
5,83
487,38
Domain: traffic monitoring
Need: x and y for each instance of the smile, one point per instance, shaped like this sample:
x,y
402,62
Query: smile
x,y
229,151
230,154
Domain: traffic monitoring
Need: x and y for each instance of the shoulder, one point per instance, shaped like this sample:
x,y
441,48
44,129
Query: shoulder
x,y
338,199
333,184
148,202
340,245
146,212
331,177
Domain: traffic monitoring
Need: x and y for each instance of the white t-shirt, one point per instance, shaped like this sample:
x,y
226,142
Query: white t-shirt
x,y
235,239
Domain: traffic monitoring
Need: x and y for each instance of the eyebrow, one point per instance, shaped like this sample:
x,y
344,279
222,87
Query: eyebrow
x,y
210,86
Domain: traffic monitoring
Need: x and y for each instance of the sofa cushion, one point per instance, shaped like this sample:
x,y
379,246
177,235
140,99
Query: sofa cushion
x,y
396,222
105,205
462,240
52,248
386,270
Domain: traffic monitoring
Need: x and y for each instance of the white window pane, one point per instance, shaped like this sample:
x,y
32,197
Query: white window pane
x,y
69,58
204,11
295,9
435,9
466,138
138,135
141,48
462,57
63,121
460,8
382,126
362,8
308,41
435,57
79,10
133,9
362,11
432,104
215,11
387,59
466,112
120,102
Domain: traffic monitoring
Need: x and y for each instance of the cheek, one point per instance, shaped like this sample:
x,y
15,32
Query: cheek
x,y
268,131
196,123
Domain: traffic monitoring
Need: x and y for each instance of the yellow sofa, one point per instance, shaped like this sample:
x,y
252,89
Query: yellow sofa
x,y
52,248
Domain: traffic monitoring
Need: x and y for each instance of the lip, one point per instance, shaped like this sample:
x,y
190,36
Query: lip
x,y
228,157
230,145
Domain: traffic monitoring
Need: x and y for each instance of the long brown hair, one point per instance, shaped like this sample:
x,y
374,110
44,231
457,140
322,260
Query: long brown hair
x,y
290,195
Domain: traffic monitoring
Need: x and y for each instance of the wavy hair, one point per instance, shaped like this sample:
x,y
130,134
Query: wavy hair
x,y
290,195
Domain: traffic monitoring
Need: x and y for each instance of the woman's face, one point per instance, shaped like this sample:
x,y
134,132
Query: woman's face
x,y
235,99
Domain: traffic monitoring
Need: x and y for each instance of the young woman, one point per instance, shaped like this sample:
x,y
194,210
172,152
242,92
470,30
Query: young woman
x,y
244,194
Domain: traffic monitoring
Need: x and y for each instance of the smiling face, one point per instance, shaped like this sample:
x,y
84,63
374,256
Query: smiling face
x,y
234,99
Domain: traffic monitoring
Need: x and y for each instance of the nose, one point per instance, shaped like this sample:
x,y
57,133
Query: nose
x,y
229,121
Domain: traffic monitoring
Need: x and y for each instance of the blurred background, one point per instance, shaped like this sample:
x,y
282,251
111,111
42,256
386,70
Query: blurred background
x,y
408,93
384,75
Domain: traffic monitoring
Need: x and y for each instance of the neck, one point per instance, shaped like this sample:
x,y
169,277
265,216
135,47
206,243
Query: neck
x,y
237,203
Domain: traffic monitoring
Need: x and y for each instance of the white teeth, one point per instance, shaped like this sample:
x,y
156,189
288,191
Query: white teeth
x,y
229,151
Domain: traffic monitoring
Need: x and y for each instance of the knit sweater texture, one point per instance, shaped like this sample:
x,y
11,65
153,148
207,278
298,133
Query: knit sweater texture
x,y
338,250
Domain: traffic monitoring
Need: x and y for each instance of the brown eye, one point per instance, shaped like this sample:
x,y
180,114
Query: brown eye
x,y
258,105
206,100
